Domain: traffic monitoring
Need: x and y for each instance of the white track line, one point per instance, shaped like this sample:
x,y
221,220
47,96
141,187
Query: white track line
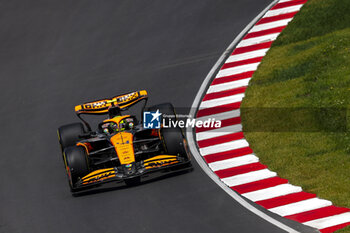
x,y
283,11
224,147
221,116
329,221
276,191
234,162
301,206
258,40
245,56
221,101
228,85
219,132
266,26
248,177
237,70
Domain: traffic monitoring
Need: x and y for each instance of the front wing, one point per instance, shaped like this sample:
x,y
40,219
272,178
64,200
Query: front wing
x,y
159,163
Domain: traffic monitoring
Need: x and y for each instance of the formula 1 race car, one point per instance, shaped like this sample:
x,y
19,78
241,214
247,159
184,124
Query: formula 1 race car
x,y
122,149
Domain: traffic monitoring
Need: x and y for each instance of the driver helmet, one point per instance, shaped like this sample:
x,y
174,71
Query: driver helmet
x,y
126,124
113,127
122,125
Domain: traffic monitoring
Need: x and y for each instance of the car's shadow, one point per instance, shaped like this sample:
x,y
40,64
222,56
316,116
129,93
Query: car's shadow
x,y
120,186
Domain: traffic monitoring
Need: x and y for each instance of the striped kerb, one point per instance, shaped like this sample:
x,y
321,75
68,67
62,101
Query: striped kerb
x,y
226,151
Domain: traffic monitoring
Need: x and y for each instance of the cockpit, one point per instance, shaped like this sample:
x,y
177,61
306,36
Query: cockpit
x,y
117,124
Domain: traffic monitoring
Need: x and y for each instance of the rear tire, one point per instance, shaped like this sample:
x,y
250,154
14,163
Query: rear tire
x,y
76,164
68,135
167,109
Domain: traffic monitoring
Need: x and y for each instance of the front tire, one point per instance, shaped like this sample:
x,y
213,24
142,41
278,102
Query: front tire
x,y
174,142
173,139
76,164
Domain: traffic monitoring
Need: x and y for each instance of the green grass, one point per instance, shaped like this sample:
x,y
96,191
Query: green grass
x,y
296,110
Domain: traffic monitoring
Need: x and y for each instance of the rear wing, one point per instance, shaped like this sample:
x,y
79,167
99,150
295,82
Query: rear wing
x,y
102,106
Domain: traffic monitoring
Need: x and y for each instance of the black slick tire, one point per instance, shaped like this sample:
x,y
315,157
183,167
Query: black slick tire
x,y
76,164
68,135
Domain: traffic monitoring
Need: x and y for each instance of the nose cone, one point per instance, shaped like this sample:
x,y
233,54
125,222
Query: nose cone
x,y
123,145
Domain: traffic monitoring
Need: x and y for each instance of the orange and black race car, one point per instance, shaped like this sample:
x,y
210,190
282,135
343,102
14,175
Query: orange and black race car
x,y
122,148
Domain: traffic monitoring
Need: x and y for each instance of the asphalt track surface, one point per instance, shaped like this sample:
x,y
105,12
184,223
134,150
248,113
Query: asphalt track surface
x,y
56,54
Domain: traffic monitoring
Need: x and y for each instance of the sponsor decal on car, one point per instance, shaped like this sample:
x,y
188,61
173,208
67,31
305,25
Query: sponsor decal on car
x,y
160,161
98,175
127,97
